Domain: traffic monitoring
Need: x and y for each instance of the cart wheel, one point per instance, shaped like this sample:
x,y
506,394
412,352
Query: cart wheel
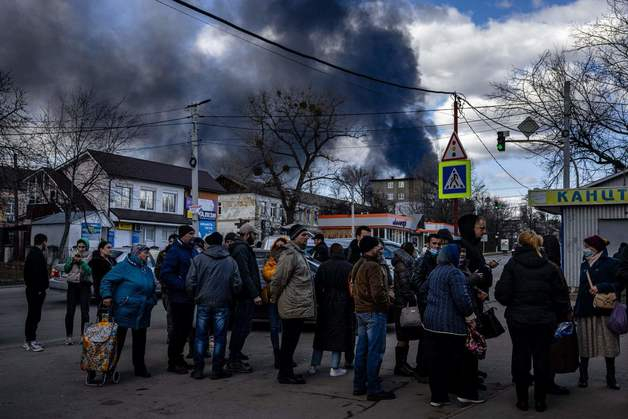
x,y
90,378
103,380
115,377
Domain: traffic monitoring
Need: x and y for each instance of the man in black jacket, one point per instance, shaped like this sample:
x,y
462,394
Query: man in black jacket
x,y
320,251
36,281
353,252
241,250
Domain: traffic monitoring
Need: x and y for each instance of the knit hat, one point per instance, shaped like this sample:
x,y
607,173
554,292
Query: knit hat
x,y
367,243
185,229
247,228
444,234
231,236
597,242
138,248
214,239
295,230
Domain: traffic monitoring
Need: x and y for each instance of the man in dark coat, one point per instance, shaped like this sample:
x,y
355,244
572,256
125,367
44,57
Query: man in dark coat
x,y
334,330
174,270
36,281
241,250
353,252
320,251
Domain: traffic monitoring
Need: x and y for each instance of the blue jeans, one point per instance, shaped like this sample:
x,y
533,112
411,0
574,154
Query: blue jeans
x,y
369,351
317,357
206,317
275,325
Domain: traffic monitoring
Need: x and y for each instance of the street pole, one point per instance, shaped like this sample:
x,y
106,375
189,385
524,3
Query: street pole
x,y
566,133
194,162
16,195
456,201
352,212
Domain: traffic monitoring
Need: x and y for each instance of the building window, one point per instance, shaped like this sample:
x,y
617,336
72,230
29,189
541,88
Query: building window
x,y
281,214
391,185
401,184
10,211
263,208
122,196
315,217
165,233
147,199
273,211
219,208
149,234
401,195
169,202
390,196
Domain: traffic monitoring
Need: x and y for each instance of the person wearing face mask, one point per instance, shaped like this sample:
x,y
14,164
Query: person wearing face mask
x,y
594,337
129,288
101,263
242,251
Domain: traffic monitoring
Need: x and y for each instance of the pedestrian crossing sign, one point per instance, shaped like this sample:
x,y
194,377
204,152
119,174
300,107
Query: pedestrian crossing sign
x,y
454,179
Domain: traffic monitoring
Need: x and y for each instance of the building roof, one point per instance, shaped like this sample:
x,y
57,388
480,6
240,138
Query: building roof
x,y
65,186
116,165
607,178
148,217
9,176
59,218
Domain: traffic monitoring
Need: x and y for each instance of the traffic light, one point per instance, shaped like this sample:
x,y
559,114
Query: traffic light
x,y
501,141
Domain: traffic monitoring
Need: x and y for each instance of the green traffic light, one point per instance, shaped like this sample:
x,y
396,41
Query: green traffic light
x,y
501,147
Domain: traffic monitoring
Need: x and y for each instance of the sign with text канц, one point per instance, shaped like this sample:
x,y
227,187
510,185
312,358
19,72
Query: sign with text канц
x,y
454,179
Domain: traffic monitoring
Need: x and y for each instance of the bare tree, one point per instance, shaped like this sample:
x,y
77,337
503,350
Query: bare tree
x,y
75,124
356,180
297,132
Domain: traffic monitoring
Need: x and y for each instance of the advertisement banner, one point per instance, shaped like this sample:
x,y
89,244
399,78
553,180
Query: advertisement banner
x,y
206,227
582,196
207,209
90,231
124,226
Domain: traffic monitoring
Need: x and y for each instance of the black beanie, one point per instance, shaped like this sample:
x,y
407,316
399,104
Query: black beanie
x,y
185,229
367,243
214,239
295,230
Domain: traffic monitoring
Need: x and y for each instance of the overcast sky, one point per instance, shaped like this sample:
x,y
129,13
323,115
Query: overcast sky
x,y
157,59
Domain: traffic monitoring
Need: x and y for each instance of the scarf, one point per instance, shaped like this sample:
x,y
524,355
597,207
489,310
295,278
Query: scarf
x,y
592,259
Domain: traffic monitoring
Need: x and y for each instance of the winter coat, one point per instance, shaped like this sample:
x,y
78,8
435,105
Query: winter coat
x,y
213,278
100,266
174,270
403,265
532,290
370,288
622,270
335,307
131,285
82,266
353,252
604,276
244,256
270,266
161,256
475,259
425,267
291,286
320,252
449,301
36,270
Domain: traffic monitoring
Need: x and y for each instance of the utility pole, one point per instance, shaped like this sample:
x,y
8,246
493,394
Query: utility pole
x,y
16,235
566,133
456,202
352,211
194,161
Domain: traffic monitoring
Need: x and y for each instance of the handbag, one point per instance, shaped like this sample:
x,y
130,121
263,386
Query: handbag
x,y
603,300
476,344
618,321
564,356
489,325
410,316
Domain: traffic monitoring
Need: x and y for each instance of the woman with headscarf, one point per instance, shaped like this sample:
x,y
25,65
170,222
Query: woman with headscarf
x,y
598,274
129,288
273,314
448,314
535,297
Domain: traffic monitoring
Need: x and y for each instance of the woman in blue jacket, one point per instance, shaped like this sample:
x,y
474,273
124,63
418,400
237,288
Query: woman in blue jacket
x,y
130,288
594,337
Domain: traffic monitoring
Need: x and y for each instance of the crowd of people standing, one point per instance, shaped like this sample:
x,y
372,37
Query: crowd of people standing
x,y
212,285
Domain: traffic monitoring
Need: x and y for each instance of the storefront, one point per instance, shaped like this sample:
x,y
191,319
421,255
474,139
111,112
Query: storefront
x,y
599,208
396,228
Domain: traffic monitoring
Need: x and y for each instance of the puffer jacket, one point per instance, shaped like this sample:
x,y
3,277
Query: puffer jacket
x,y
270,266
369,284
174,270
213,278
425,267
449,301
475,259
532,290
131,285
404,264
604,275
292,286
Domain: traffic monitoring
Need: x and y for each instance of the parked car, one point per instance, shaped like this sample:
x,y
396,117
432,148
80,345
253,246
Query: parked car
x,y
58,280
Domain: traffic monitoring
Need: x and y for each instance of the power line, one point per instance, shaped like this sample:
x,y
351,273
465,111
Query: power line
x,y
162,123
491,154
307,56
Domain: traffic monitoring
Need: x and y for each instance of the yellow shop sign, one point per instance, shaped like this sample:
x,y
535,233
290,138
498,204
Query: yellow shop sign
x,y
124,226
582,196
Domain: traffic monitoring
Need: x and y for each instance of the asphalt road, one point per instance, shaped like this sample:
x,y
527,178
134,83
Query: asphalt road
x,y
51,384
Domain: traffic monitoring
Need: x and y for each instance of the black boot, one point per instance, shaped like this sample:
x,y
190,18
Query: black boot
x,y
611,382
522,396
276,354
583,381
401,362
